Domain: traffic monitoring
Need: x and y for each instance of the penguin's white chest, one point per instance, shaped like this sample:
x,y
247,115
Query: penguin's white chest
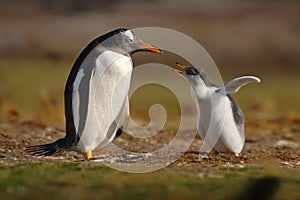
x,y
108,85
111,86
216,120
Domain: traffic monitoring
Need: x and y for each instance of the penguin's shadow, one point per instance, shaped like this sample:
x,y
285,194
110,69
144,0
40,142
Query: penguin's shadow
x,y
259,189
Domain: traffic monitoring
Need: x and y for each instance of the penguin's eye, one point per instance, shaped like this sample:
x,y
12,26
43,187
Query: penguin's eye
x,y
129,40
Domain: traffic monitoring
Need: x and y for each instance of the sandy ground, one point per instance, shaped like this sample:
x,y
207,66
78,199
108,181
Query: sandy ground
x,y
274,140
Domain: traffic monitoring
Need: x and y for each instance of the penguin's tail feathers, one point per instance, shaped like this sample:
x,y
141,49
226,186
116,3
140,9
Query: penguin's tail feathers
x,y
48,149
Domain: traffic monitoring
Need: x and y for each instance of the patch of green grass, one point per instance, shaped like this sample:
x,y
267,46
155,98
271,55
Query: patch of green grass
x,y
79,180
90,181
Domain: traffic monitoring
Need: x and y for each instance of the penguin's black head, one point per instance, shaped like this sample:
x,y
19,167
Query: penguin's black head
x,y
188,70
193,73
124,41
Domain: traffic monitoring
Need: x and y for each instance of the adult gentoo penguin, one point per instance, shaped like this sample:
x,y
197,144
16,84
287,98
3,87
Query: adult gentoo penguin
x,y
218,114
96,101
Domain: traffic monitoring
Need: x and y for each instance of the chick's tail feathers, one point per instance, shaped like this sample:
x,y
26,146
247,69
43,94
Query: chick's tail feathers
x,y
49,149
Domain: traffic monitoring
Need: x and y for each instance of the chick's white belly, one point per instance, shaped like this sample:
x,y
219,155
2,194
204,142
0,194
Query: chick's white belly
x,y
231,136
218,121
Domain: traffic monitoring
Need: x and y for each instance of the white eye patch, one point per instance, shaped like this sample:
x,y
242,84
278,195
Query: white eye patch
x,y
129,34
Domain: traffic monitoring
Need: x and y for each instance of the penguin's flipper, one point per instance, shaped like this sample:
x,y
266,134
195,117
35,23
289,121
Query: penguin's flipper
x,y
234,85
48,149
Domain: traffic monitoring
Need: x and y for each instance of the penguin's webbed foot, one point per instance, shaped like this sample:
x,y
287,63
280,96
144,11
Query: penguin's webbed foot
x,y
89,156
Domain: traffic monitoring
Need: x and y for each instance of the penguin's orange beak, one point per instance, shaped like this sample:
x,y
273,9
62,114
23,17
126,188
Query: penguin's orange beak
x,y
150,48
181,68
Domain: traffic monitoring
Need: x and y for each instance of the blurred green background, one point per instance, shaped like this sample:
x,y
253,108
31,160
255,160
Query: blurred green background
x,y
40,40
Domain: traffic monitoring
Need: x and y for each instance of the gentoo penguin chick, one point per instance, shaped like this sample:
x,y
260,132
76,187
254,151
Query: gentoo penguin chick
x,y
96,94
219,116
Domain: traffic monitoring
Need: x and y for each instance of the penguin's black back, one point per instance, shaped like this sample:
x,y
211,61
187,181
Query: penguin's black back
x,y
236,111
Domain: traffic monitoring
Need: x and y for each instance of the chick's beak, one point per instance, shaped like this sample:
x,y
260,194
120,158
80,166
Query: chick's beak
x,y
150,48
182,68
